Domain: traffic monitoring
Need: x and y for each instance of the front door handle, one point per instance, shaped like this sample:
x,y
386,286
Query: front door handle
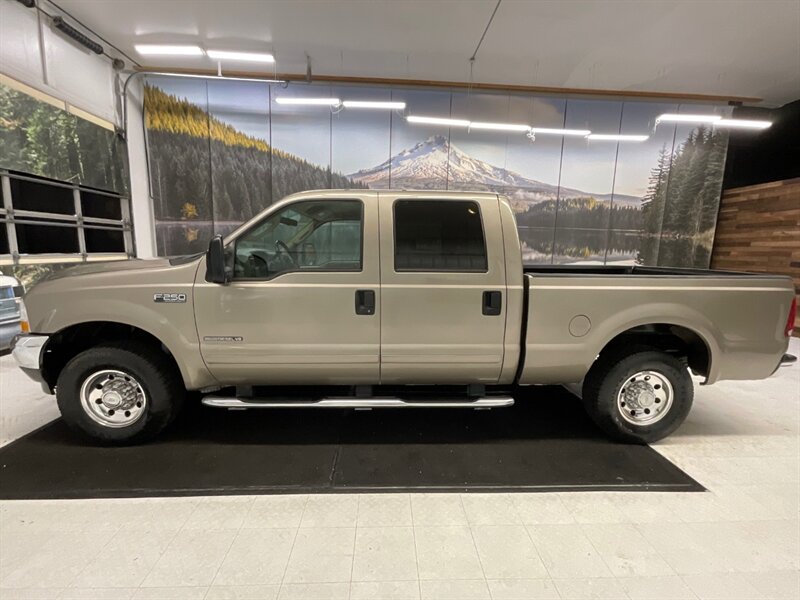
x,y
492,303
365,302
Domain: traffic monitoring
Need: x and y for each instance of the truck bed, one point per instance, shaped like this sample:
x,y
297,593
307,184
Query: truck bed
x,y
571,313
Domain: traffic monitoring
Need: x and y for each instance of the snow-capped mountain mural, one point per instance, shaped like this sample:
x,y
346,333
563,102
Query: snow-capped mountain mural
x,y
220,151
429,164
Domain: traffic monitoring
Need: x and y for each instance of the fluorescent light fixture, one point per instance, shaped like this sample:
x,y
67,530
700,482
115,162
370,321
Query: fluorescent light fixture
x,y
680,118
165,50
438,121
499,126
618,138
308,101
262,57
743,124
193,76
374,104
547,130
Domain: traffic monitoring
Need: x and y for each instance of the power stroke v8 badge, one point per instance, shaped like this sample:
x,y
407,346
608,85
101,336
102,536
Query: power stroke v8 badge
x,y
169,297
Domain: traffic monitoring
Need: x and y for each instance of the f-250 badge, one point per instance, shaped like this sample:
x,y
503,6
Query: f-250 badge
x,y
169,297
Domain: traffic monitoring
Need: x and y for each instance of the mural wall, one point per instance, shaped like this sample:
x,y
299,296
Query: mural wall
x,y
38,138
41,139
220,151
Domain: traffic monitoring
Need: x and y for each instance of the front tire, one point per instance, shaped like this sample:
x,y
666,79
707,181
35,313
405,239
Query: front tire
x,y
120,393
638,396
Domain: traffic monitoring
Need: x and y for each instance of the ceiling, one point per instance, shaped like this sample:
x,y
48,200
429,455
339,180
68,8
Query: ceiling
x,y
720,47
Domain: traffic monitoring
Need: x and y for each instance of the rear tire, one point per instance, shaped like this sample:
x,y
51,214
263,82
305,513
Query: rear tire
x,y
119,393
639,395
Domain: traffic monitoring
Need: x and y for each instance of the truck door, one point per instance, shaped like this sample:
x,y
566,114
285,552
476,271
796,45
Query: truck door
x,y
303,304
443,288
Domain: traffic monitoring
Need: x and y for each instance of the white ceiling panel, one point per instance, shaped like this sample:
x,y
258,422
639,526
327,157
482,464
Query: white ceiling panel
x,y
722,47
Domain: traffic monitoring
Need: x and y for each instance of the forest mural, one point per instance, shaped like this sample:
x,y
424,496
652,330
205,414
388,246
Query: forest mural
x,y
41,139
221,151
38,138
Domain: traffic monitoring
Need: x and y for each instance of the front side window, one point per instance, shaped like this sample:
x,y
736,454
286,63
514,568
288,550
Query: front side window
x,y
310,235
438,235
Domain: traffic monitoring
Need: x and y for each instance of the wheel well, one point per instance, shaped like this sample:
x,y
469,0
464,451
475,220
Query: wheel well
x,y
71,341
673,339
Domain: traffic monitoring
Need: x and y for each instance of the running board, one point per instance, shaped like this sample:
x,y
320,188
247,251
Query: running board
x,y
237,403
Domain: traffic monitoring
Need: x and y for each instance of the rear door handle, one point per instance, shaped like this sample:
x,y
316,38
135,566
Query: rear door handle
x,y
492,303
365,302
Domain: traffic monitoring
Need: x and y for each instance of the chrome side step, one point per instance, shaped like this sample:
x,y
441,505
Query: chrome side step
x,y
237,403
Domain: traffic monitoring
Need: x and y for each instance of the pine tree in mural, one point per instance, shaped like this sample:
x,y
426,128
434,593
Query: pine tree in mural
x,y
684,184
654,200
680,207
653,206
717,147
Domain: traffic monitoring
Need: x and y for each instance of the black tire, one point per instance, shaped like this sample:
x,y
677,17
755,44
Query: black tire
x,y
159,379
608,376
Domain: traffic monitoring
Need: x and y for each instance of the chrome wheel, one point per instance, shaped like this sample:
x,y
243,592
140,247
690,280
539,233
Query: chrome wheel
x,y
113,398
645,398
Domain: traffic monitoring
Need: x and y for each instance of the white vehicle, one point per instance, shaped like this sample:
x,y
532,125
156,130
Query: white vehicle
x,y
11,292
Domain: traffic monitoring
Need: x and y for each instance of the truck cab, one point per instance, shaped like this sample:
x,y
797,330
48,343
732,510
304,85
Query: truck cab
x,y
364,288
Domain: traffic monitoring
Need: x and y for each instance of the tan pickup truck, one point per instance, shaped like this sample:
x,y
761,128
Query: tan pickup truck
x,y
362,298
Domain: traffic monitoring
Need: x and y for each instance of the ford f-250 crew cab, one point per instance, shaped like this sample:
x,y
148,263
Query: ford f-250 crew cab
x,y
365,298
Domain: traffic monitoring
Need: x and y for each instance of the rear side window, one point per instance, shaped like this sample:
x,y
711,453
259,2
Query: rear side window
x,y
438,235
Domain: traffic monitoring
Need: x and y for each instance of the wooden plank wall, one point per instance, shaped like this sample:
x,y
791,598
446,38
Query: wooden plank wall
x,y
759,230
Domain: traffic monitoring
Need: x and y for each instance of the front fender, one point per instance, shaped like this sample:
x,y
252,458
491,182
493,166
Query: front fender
x,y
127,298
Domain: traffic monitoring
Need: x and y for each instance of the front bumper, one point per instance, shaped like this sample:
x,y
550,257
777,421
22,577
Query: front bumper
x,y
27,351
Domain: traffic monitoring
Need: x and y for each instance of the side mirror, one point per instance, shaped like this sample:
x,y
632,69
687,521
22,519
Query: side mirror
x,y
215,261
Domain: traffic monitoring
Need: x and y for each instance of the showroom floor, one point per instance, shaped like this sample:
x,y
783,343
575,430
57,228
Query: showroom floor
x,y
741,539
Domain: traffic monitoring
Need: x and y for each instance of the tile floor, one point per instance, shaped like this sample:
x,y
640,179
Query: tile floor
x,y
741,539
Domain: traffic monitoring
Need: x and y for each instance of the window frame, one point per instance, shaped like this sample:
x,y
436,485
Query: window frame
x,y
475,203
11,217
232,244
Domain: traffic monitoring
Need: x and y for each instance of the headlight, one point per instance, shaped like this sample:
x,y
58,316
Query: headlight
x,y
24,325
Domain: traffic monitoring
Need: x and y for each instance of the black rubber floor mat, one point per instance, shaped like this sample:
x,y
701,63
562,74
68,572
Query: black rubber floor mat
x,y
544,443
